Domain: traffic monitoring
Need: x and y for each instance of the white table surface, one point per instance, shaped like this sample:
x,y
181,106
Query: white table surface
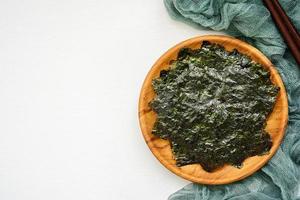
x,y
70,77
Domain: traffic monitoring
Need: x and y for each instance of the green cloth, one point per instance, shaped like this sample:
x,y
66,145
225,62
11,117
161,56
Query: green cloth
x,y
249,20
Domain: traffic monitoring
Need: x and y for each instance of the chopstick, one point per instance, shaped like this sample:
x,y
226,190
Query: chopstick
x,y
288,24
286,27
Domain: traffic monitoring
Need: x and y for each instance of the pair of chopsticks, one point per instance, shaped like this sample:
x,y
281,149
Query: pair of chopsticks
x,y
286,27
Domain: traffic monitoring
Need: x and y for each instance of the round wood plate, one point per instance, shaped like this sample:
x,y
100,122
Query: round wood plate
x,y
276,122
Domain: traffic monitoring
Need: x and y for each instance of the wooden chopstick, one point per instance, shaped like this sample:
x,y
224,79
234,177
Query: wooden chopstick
x,y
288,23
285,26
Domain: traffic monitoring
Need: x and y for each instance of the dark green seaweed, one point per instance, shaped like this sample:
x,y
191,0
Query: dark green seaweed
x,y
212,106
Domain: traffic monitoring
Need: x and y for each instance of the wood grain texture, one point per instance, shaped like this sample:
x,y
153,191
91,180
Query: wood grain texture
x,y
276,123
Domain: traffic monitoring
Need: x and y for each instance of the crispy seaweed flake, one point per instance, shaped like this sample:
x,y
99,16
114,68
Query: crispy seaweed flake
x,y
212,106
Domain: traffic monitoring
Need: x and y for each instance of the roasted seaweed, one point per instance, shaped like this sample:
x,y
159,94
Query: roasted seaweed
x,y
212,106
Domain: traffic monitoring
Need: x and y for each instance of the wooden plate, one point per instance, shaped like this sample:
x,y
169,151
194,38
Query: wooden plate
x,y
276,122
